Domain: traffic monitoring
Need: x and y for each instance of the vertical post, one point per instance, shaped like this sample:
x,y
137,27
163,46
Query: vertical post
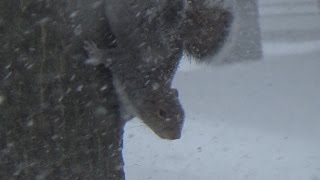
x,y
59,117
246,37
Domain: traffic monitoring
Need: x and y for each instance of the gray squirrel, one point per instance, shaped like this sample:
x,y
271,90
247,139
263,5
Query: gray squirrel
x,y
151,37
142,92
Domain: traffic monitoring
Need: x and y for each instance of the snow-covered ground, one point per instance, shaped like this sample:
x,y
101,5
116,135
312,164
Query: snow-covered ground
x,y
248,121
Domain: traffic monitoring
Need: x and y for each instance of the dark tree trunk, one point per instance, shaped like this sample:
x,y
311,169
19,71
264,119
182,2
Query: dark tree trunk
x,y
58,116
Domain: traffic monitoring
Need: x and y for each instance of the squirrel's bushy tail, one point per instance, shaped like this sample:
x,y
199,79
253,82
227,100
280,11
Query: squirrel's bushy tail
x,y
206,29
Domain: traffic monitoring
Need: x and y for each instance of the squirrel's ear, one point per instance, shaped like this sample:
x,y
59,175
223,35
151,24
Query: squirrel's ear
x,y
205,31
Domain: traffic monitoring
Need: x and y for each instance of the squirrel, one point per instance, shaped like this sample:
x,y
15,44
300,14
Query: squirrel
x,y
151,37
142,92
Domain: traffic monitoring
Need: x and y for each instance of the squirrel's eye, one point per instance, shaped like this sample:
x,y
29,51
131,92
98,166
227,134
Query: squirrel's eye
x,y
162,113
175,92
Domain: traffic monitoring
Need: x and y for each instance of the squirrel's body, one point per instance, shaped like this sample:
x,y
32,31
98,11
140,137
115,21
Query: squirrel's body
x,y
145,60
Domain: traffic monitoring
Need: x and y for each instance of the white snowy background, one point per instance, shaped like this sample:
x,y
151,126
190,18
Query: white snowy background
x,y
246,121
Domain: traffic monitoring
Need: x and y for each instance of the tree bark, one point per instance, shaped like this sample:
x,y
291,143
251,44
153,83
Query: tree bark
x,y
59,117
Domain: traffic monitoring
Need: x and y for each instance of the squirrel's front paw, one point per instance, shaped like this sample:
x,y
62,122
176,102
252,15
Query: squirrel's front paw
x,y
94,54
98,56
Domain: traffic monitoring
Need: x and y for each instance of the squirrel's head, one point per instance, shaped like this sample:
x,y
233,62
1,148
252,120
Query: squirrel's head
x,y
162,112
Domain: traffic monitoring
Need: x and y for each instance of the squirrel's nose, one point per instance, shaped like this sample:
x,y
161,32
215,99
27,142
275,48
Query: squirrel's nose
x,y
171,133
